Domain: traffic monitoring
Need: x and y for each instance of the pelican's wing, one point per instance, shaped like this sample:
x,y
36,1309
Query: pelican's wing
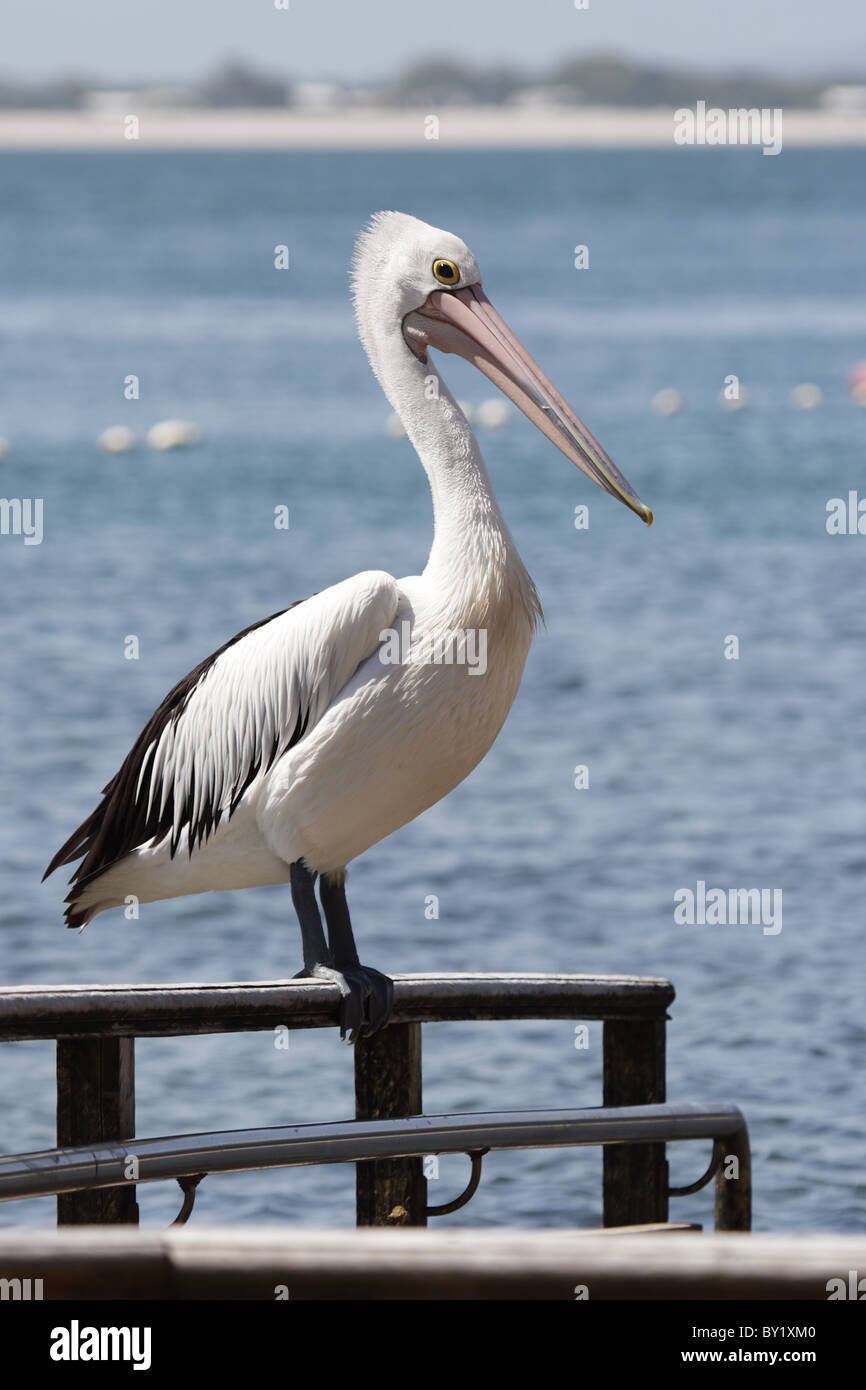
x,y
230,719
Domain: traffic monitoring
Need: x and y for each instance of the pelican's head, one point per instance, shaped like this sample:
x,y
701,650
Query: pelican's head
x,y
425,283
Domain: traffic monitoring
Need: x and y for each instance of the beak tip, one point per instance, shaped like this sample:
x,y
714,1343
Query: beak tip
x,y
648,516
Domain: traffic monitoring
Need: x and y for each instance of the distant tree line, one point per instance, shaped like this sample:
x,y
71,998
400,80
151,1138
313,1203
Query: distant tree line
x,y
235,83
597,81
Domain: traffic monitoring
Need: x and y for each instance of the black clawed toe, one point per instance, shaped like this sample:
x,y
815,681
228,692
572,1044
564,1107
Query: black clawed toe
x,y
368,1005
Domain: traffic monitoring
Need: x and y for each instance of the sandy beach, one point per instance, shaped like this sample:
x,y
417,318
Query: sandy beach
x,y
388,129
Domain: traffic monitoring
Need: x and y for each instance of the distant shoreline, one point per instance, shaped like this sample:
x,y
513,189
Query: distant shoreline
x,y
367,128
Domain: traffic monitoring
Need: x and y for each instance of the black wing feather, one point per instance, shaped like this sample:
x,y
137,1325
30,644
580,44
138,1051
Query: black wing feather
x,y
122,821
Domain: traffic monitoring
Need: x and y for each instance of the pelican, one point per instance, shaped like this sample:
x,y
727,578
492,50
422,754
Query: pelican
x,y
316,732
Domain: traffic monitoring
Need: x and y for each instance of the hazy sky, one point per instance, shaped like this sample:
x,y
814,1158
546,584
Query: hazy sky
x,y
363,39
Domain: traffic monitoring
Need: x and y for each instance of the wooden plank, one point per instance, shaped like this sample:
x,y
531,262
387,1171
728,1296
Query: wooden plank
x,y
388,1084
455,1263
635,1181
96,1104
179,1010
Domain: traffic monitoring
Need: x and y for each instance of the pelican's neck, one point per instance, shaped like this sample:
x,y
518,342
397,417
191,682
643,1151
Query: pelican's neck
x,y
473,550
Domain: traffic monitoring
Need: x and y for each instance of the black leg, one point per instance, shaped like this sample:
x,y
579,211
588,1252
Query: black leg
x,y
318,964
372,992
313,940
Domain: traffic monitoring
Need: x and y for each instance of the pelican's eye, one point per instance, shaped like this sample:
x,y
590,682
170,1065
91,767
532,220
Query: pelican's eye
x,y
446,272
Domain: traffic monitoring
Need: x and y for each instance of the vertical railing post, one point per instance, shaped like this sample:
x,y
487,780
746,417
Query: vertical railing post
x,y
390,1191
635,1175
733,1205
96,1104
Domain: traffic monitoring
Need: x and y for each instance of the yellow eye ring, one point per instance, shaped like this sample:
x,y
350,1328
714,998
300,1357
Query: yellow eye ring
x,y
445,271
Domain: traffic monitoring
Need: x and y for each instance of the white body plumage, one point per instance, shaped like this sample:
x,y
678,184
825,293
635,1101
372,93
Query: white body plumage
x,y
298,742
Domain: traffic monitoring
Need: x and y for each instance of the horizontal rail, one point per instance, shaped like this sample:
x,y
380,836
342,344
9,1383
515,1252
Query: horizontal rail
x,y
108,1165
180,1010
249,1263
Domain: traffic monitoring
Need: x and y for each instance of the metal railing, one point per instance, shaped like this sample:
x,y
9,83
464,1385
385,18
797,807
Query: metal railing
x,y
95,1028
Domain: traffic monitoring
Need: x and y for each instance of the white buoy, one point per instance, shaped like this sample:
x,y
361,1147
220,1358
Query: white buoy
x,y
172,434
806,396
857,383
394,427
117,439
5,446
492,415
667,401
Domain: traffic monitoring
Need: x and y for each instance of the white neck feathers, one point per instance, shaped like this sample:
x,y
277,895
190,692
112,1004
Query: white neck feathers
x,y
473,557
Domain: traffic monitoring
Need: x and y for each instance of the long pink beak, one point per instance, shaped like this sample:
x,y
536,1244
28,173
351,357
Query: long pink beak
x,y
465,322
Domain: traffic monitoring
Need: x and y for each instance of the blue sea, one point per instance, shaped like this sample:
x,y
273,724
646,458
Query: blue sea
x,y
738,773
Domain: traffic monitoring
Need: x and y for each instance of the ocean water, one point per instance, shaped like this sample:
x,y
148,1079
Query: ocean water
x,y
740,773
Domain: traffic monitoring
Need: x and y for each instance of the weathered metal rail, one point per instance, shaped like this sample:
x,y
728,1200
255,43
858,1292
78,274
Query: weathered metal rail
x,y
55,1171
95,1028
